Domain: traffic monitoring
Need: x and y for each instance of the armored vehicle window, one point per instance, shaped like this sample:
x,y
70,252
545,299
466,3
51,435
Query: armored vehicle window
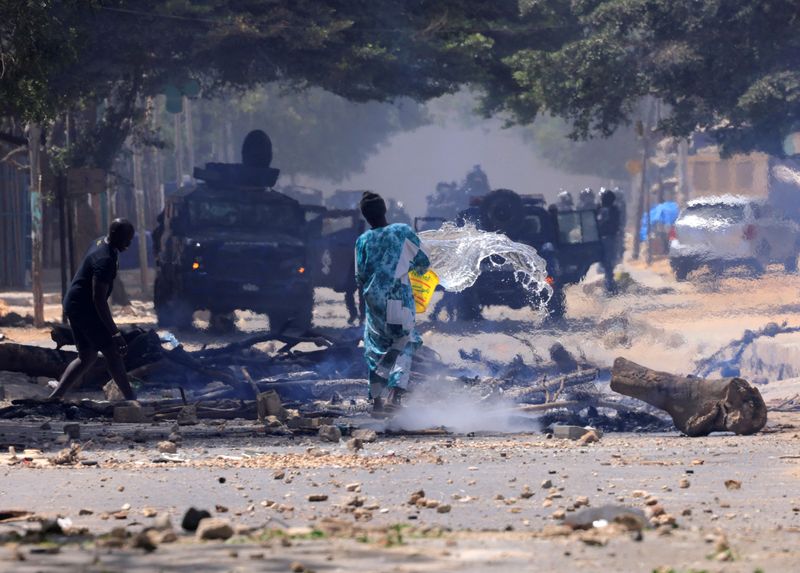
x,y
332,225
236,215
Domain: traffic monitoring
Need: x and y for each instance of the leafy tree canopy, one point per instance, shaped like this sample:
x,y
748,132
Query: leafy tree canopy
x,y
313,132
726,66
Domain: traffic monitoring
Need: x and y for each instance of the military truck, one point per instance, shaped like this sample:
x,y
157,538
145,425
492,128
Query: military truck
x,y
568,241
234,243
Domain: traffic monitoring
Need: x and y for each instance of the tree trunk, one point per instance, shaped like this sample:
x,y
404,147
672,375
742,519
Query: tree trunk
x,y
697,406
34,150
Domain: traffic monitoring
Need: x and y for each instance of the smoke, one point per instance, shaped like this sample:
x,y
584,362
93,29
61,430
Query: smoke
x,y
454,407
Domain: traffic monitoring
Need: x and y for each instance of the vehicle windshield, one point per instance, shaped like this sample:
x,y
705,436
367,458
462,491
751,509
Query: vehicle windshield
x,y
720,211
246,216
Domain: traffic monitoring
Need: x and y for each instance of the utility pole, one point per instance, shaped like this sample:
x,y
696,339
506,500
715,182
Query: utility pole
x,y
178,149
34,151
138,191
187,110
683,172
61,191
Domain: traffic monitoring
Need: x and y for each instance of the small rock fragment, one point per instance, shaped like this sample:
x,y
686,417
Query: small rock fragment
x,y
684,483
317,497
365,435
214,528
733,484
443,508
355,444
547,484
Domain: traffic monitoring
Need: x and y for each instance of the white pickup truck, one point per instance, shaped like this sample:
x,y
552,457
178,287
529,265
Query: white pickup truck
x,y
727,231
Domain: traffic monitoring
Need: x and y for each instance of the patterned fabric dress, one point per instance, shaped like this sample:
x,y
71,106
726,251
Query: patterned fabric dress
x,y
384,257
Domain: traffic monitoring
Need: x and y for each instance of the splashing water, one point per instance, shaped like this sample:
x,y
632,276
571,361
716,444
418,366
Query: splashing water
x,y
456,254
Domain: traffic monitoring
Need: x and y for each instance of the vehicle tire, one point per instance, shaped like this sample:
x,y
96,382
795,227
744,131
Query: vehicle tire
x,y
681,269
790,264
171,311
502,210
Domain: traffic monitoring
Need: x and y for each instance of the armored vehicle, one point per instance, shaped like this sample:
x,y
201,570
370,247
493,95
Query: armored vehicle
x,y
568,241
234,243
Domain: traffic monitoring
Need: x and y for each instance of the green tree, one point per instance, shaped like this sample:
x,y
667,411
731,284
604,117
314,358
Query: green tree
x,y
600,156
121,50
726,66
314,132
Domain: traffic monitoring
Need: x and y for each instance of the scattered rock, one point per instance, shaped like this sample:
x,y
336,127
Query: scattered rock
x,y
684,483
317,497
631,518
355,444
547,484
589,437
365,435
187,416
330,433
129,413
444,508
733,484
67,456
192,518
559,514
162,522
269,404
167,447
214,528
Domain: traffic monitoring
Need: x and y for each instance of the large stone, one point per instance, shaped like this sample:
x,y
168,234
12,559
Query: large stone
x,y
187,416
330,433
129,413
214,528
269,404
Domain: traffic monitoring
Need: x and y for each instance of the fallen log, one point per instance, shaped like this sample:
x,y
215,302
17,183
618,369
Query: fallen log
x,y
697,406
38,361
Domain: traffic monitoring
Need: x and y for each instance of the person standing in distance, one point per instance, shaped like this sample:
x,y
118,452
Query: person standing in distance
x,y
86,307
384,256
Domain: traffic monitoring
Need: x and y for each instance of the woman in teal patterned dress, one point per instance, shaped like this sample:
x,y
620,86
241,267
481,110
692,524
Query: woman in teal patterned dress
x,y
384,256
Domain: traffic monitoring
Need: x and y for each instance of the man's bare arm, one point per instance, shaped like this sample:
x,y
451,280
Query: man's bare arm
x,y
100,299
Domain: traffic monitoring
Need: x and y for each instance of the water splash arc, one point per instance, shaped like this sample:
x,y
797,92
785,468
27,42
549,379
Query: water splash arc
x,y
457,254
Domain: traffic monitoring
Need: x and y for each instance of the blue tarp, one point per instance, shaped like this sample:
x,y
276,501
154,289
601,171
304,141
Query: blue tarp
x,y
662,214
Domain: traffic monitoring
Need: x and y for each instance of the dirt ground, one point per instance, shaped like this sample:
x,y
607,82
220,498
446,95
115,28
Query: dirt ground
x,y
720,503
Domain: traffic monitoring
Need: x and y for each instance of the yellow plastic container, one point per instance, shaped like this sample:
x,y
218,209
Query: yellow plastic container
x,y
423,287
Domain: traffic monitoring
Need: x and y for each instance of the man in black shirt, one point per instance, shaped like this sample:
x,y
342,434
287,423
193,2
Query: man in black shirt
x,y
86,307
